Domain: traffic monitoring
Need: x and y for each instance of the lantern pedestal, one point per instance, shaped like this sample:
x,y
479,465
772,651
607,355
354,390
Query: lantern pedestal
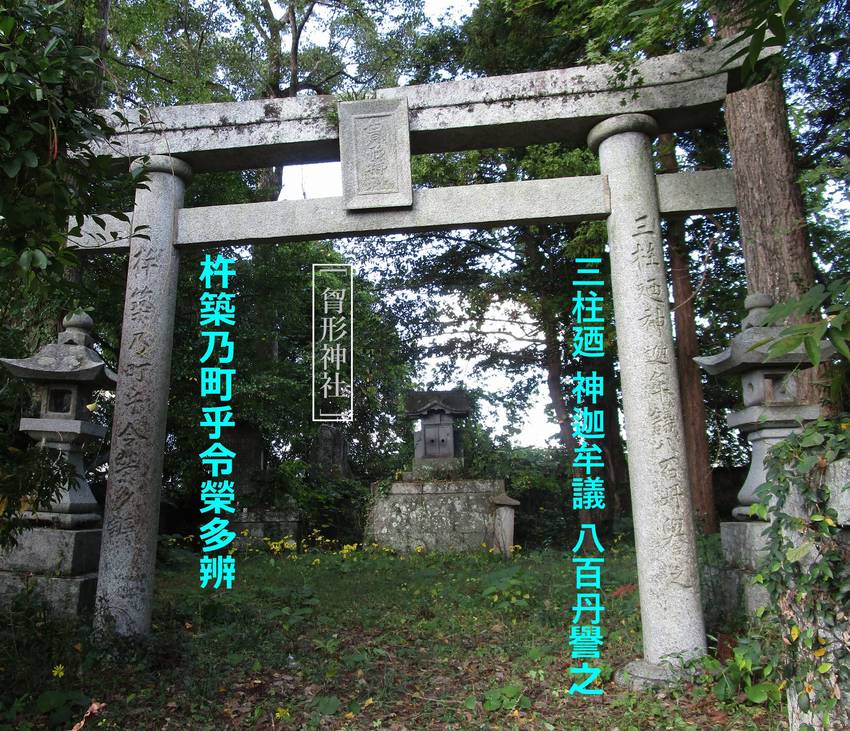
x,y
59,564
58,557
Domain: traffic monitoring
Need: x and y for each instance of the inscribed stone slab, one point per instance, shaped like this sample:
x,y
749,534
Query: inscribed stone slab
x,y
374,148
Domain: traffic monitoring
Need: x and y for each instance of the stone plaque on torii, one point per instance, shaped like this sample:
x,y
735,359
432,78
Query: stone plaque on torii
x,y
577,107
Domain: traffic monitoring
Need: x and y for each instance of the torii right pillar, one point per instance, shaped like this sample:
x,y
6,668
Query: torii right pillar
x,y
668,575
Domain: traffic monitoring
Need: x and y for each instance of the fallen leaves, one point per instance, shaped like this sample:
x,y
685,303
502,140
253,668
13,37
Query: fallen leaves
x,y
92,711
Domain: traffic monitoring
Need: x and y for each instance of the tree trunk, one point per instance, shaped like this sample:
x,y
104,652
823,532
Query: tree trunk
x,y
74,272
770,204
100,39
690,378
616,467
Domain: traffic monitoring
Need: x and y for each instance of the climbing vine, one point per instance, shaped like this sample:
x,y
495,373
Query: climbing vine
x,y
805,570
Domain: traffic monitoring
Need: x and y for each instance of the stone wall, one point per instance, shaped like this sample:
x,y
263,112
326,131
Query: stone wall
x,y
444,515
260,524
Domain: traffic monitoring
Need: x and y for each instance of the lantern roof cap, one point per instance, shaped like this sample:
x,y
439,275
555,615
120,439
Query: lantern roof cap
x,y
749,350
69,359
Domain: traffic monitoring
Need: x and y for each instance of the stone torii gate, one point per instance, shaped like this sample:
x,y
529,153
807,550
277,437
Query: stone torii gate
x,y
578,106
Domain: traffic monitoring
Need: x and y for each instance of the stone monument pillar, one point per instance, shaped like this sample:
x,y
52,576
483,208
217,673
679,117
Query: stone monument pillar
x,y
59,554
503,532
668,577
127,561
771,412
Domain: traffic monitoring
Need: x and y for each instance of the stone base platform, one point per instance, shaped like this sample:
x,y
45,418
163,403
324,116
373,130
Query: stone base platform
x,y
640,675
54,551
438,515
59,564
66,595
743,545
260,524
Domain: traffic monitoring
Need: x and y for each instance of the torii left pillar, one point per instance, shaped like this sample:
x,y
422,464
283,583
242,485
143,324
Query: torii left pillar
x,y
128,553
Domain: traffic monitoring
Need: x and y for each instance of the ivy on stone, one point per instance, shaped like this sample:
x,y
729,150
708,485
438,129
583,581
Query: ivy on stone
x,y
805,571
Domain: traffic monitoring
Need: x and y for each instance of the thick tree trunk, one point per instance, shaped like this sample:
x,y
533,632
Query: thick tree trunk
x,y
616,467
690,378
100,39
690,383
74,273
770,204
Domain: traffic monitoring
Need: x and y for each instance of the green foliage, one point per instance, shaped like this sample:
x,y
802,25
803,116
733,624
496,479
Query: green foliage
x,y
747,672
47,132
505,698
409,640
826,310
30,479
326,705
508,589
761,23
805,568
296,608
48,173
620,32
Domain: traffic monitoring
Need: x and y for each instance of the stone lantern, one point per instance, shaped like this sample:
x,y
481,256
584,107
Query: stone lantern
x,y
62,551
435,446
771,413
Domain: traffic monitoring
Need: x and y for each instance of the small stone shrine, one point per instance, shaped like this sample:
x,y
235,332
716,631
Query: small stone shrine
x,y
432,507
771,412
435,448
60,553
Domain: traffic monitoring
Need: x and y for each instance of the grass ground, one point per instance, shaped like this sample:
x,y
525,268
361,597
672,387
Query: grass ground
x,y
353,639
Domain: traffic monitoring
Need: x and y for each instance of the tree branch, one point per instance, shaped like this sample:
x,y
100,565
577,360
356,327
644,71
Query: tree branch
x,y
252,19
131,65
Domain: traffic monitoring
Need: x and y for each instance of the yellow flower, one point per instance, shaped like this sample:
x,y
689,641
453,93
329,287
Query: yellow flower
x,y
59,671
316,561
281,713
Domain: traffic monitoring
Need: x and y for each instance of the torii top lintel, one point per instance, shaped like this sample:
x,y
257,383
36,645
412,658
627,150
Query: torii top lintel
x,y
681,91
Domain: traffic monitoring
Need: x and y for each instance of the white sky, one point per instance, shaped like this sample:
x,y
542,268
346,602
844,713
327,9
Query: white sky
x,y
325,180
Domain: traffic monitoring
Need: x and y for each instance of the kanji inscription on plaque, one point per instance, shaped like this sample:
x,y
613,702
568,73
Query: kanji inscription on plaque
x,y
374,143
